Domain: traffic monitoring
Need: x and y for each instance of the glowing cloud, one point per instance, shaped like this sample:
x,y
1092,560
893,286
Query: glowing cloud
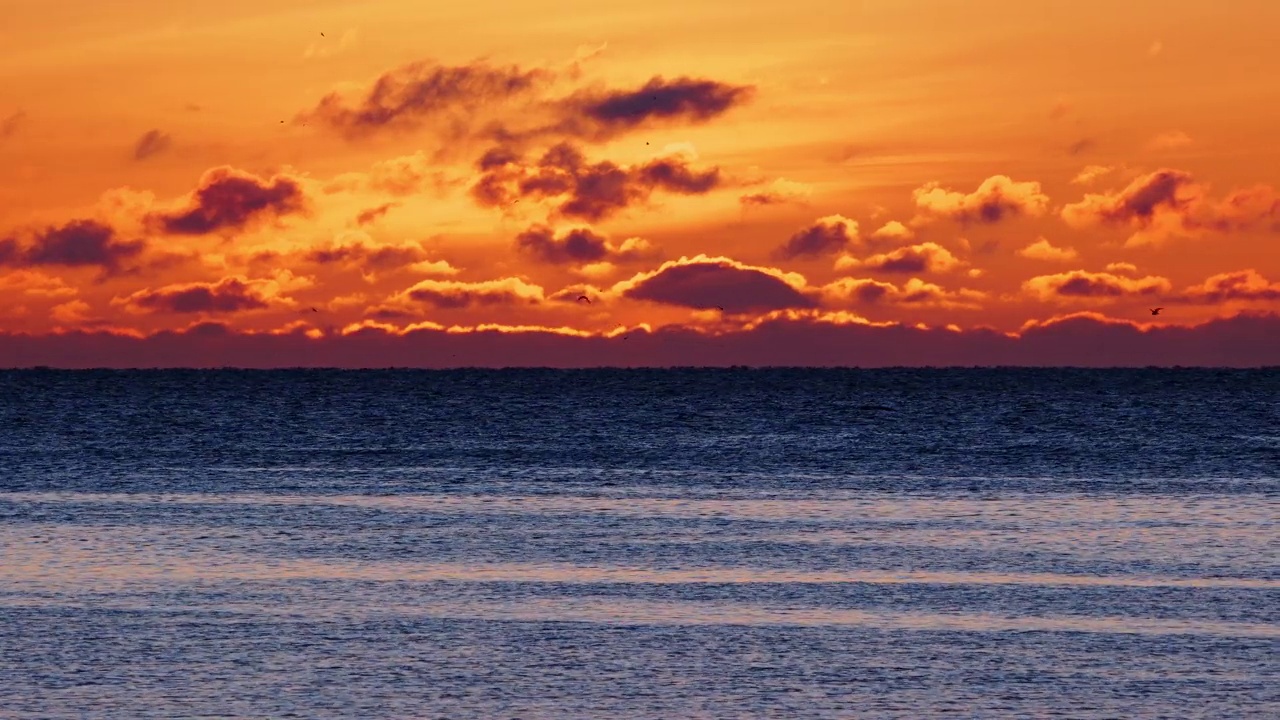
x,y
997,198
922,258
1042,249
455,294
1081,285
865,291
1239,286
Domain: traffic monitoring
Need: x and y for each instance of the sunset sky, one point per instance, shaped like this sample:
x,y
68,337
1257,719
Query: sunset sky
x,y
394,182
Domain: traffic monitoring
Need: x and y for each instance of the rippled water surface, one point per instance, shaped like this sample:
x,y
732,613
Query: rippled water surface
x,y
640,544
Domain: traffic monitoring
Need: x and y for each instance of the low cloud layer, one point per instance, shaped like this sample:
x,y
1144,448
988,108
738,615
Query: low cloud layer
x,y
803,341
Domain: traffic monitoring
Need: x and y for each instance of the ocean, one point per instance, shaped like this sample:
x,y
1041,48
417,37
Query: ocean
x,y
683,543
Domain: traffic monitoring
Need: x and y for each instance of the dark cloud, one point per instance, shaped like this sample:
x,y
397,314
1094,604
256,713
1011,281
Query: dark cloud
x,y
580,246
586,190
696,99
826,236
1081,146
364,217
598,116
706,283
498,157
152,142
228,295
493,191
863,291
907,263
1243,341
228,199
10,124
79,243
510,105
368,257
412,94
674,176
10,251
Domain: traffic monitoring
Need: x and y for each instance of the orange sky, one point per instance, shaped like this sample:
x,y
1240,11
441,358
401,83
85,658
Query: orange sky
x,y
691,166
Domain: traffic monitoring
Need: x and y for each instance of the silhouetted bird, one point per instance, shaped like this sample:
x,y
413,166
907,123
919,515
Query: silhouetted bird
x,y
1156,311
321,34
314,310
584,298
720,308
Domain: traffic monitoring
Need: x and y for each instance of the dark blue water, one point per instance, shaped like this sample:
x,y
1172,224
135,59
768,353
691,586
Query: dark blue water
x,y
640,544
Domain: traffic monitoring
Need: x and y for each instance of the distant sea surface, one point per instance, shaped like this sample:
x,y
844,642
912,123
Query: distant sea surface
x,y
640,544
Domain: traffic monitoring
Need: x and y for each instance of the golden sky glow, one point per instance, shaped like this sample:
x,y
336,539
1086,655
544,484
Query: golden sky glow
x,y
314,168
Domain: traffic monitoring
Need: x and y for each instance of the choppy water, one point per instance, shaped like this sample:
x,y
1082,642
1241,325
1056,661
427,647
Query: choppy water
x,y
640,544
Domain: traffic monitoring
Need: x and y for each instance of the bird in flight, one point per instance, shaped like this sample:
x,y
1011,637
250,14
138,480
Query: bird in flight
x,y
585,299
1156,311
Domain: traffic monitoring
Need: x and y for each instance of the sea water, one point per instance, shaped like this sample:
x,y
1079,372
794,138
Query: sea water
x,y
640,544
